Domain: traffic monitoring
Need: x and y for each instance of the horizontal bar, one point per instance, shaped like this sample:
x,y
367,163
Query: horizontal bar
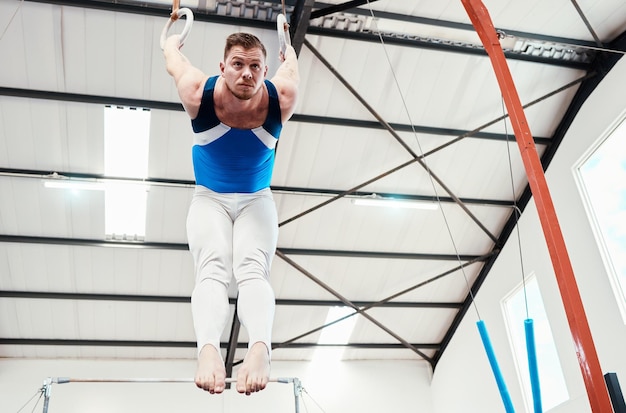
x,y
63,380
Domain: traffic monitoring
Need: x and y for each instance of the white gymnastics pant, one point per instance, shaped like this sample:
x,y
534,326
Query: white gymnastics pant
x,y
232,236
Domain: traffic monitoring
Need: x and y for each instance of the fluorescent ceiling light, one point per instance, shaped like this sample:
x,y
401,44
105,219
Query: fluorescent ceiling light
x,y
73,184
395,203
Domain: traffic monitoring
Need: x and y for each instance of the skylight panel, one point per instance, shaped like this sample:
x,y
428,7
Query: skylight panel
x,y
126,137
337,334
126,142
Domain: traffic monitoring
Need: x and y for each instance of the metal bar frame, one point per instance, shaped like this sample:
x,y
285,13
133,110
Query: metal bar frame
x,y
48,382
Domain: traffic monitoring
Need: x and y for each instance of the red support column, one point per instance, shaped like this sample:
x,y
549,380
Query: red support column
x,y
585,348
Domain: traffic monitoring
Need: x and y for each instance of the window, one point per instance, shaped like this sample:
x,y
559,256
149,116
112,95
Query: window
x,y
551,379
602,181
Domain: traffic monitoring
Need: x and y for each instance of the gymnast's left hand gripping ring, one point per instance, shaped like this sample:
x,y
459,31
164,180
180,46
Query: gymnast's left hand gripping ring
x,y
188,23
284,39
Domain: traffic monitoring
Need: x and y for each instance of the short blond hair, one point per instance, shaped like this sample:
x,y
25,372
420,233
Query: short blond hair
x,y
245,40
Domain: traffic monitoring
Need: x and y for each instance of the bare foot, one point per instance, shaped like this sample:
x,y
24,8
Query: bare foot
x,y
211,374
254,373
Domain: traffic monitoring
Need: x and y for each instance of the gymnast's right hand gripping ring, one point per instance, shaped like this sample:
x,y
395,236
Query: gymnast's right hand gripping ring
x,y
189,22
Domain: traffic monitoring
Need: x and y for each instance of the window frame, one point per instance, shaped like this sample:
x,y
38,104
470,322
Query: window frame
x,y
520,356
619,289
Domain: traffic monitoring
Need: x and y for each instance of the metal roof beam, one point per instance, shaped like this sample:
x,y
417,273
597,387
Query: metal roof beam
x,y
47,295
39,174
323,120
156,9
299,23
190,344
325,10
349,303
83,242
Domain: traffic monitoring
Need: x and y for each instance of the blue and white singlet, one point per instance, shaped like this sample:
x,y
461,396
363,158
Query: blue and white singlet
x,y
229,160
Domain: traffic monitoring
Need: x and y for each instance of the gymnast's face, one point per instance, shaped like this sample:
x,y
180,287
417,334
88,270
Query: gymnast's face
x,y
244,71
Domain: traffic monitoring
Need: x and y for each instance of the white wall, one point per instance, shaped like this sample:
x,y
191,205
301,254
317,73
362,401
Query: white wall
x,y
455,387
360,386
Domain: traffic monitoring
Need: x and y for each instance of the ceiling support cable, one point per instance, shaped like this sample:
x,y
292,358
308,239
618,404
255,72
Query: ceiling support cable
x,y
417,158
386,301
352,305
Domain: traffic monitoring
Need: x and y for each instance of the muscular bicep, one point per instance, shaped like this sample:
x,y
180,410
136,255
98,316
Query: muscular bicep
x,y
287,97
287,80
189,80
190,86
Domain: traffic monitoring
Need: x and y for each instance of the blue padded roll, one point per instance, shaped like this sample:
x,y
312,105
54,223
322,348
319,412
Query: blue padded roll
x,y
504,392
532,364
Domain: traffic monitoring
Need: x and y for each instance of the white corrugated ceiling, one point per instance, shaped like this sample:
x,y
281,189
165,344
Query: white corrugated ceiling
x,y
66,291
